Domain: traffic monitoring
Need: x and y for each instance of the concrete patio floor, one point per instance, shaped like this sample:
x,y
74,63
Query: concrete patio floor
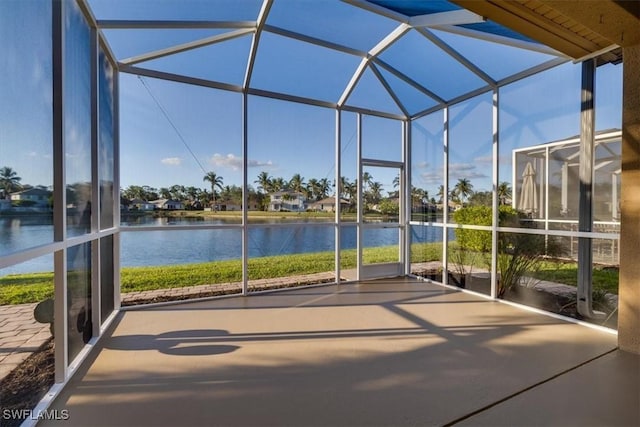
x,y
386,352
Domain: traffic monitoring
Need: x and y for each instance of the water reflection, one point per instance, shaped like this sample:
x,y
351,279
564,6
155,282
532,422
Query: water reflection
x,y
165,247
24,232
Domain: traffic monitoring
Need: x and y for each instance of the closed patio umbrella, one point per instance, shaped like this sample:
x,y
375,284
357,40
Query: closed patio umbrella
x,y
528,201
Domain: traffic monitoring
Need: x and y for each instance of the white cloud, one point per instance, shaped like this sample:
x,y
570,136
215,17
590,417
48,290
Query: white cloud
x,y
172,161
235,162
461,167
465,170
228,161
108,72
258,163
37,73
504,159
431,177
72,134
484,159
469,175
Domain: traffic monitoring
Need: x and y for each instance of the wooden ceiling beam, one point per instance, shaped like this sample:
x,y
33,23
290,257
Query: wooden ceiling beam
x,y
617,21
577,28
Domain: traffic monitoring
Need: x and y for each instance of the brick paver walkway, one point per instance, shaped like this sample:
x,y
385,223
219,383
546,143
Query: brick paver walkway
x,y
20,335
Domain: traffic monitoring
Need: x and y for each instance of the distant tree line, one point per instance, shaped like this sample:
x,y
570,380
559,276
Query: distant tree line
x,y
313,190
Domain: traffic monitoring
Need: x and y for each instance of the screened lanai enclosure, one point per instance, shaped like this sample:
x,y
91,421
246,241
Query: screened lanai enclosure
x,y
245,145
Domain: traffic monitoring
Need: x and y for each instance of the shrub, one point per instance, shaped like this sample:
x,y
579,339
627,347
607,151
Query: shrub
x,y
473,240
388,207
518,253
480,240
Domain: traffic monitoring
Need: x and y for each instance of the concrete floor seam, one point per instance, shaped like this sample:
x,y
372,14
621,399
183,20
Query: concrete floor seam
x,y
526,389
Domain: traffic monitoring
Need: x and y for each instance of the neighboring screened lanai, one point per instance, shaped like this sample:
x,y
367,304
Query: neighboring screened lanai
x,y
163,150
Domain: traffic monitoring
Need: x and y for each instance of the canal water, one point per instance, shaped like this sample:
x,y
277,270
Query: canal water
x,y
168,247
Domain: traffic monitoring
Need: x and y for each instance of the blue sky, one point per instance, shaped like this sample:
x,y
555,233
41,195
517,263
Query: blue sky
x,y
201,129
25,108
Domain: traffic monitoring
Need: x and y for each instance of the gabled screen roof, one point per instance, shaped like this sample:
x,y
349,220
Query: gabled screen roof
x,y
413,8
398,58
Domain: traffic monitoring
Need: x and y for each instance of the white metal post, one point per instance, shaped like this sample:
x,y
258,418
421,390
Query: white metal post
x,y
359,247
406,192
59,194
245,195
585,209
338,207
95,226
116,189
495,205
445,197
545,185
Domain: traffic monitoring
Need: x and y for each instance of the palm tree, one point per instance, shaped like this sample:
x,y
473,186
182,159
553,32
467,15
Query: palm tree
x,y
440,194
343,190
277,184
375,191
396,184
348,190
216,181
463,189
366,180
324,187
313,189
9,181
297,183
264,182
419,195
504,192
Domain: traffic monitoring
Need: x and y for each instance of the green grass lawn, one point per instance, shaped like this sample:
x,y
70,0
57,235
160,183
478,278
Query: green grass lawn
x,y
567,273
552,271
25,288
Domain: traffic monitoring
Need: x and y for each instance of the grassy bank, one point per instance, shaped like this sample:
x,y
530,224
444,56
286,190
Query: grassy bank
x,y
24,288
34,287
605,279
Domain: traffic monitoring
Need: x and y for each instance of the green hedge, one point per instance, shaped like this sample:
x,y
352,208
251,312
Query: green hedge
x,y
480,240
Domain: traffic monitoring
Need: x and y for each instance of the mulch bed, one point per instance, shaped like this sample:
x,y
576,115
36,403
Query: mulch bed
x,y
27,384
142,301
